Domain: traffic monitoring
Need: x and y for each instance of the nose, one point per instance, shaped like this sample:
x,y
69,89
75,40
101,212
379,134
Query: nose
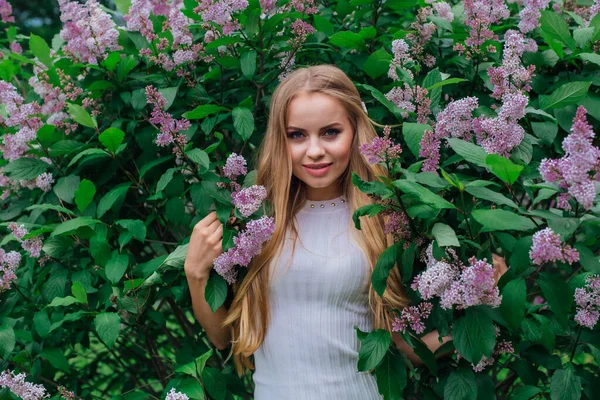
x,y
315,149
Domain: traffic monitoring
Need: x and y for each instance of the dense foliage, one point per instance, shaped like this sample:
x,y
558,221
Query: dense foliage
x,y
115,138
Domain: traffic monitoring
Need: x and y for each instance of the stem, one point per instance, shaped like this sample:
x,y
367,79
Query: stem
x,y
576,342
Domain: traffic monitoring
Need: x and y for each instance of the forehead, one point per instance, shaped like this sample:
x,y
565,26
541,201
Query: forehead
x,y
315,109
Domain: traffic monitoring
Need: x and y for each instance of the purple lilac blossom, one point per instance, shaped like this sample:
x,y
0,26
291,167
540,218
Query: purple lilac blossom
x,y
90,33
443,10
475,286
397,225
170,128
6,12
572,171
25,390
247,245
305,6
175,395
456,120
381,148
413,317
287,64
235,166
411,99
31,245
512,76
594,10
420,33
401,58
44,181
588,302
220,12
480,15
530,14
9,262
547,247
248,200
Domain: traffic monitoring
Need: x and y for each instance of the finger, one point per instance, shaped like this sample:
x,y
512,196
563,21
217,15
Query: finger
x,y
209,219
217,233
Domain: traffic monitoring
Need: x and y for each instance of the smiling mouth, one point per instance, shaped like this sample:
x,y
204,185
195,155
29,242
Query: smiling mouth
x,y
321,167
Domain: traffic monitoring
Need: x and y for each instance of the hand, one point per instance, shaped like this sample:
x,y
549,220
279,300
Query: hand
x,y
204,246
499,266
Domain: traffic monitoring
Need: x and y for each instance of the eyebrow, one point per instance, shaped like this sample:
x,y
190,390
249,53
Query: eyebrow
x,y
326,126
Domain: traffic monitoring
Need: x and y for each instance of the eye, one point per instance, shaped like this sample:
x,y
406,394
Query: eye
x,y
332,130
291,134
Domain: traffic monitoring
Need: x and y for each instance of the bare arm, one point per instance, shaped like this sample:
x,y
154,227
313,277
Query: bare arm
x,y
211,321
430,339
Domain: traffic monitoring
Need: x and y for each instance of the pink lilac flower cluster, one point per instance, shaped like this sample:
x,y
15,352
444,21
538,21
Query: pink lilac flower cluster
x,y
31,245
22,115
501,134
287,64
572,171
502,346
304,6
456,284
169,127
381,148
66,393
175,395
90,33
588,302
54,97
25,390
421,31
456,120
512,76
413,317
480,15
248,200
9,262
411,99
6,12
397,224
235,166
247,245
593,11
548,248
300,30
220,12
402,59
529,16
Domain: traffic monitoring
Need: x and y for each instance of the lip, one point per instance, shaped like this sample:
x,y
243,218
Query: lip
x,y
318,172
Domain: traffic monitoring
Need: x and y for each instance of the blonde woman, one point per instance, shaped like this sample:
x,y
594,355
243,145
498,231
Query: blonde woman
x,y
296,310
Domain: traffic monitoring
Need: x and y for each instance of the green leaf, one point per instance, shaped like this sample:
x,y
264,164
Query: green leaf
x,y
349,40
81,116
486,194
444,235
116,267
70,226
450,81
502,220
384,264
558,294
474,335
93,153
373,348
214,383
370,210
125,66
84,194
64,301
469,151
66,187
165,179
248,64
40,49
545,131
524,393
424,195
170,94
108,326
391,106
203,111
215,292
373,187
391,375
514,302
151,164
7,341
591,57
461,385
79,292
112,138
556,27
569,93
56,358
243,122
24,168
377,64
413,133
565,384
503,168
41,322
112,198
200,157
177,258
135,226
588,260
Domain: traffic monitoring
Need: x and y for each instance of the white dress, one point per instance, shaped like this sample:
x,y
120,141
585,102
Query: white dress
x,y
310,350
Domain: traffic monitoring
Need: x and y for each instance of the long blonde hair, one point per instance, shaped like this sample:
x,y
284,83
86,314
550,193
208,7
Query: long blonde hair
x,y
248,316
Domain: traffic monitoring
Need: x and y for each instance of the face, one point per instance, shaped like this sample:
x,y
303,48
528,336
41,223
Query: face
x,y
319,132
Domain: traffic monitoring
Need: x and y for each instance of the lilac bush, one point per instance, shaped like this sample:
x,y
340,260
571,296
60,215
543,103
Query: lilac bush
x,y
129,125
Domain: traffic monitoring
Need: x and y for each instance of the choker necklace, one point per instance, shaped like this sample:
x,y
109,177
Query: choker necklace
x,y
322,203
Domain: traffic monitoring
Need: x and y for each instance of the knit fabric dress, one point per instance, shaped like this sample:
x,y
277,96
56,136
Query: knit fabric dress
x,y
310,350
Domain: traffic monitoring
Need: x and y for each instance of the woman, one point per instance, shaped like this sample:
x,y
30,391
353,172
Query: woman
x,y
310,297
